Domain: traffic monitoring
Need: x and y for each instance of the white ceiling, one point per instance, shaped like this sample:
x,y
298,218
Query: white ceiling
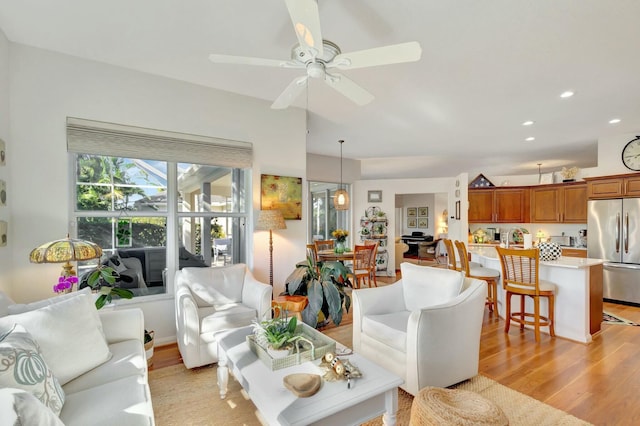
x,y
486,67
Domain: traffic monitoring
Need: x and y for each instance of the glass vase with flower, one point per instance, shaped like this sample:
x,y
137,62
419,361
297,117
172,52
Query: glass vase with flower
x,y
341,237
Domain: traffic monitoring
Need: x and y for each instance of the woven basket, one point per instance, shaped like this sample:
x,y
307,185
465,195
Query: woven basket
x,y
148,349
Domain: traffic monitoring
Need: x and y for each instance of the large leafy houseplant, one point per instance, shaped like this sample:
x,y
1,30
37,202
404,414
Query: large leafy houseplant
x,y
324,286
103,279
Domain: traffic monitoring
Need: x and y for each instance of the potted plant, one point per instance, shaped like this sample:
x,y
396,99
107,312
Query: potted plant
x,y
276,335
102,279
324,288
148,346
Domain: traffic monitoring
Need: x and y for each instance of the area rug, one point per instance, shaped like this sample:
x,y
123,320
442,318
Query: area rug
x,y
609,318
190,397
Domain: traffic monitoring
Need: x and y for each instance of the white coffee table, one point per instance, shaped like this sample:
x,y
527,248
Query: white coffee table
x,y
374,394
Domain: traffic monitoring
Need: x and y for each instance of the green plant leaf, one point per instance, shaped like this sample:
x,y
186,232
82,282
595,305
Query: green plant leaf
x,y
316,297
332,296
101,301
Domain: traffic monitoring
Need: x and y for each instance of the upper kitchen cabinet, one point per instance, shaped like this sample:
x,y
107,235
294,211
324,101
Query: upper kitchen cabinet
x,y
499,205
614,186
562,203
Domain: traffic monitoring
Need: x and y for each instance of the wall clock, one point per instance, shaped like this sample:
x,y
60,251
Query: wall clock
x,y
631,154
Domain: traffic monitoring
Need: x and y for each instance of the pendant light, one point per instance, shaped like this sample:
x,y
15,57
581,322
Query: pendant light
x,y
341,199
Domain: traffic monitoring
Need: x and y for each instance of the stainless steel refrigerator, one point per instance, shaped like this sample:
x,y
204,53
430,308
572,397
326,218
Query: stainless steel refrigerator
x,y
613,227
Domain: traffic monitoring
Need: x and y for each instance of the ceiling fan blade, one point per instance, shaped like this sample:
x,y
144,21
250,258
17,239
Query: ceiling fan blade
x,y
349,89
306,23
392,54
244,60
289,95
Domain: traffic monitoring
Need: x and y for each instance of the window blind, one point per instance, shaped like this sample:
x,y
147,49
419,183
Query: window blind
x,y
116,140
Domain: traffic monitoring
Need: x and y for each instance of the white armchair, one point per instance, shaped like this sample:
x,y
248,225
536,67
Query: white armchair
x,y
425,328
209,300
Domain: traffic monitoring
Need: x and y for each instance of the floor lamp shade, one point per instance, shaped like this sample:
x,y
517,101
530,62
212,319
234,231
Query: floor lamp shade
x,y
269,220
65,251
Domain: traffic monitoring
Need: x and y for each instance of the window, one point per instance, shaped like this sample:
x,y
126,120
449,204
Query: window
x,y
324,217
154,213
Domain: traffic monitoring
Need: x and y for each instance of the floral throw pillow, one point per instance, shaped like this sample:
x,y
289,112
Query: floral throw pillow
x,y
22,367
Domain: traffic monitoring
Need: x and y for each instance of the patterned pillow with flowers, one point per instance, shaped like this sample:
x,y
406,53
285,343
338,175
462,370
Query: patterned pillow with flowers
x,y
22,367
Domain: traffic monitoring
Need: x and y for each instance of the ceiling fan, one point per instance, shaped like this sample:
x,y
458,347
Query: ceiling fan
x,y
318,57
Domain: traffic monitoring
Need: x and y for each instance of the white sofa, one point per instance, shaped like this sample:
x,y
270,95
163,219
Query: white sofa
x,y
425,327
114,392
209,300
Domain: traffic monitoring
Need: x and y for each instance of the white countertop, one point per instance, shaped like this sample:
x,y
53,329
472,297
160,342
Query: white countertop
x,y
490,252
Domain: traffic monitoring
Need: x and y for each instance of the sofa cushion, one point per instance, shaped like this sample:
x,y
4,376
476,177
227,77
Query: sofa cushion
x,y
69,334
390,329
24,367
5,302
19,308
223,317
426,286
128,359
215,286
19,407
125,401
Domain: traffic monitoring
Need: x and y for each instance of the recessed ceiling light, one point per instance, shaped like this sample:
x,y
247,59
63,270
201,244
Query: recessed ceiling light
x,y
614,121
566,94
530,138
527,123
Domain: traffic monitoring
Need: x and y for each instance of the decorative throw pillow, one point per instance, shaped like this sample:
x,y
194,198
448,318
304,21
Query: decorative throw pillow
x,y
24,367
19,308
426,286
69,334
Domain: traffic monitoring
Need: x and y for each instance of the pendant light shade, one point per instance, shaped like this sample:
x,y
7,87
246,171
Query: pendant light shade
x,y
341,198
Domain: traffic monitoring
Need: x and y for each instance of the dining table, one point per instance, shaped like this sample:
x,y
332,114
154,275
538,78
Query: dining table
x,y
328,255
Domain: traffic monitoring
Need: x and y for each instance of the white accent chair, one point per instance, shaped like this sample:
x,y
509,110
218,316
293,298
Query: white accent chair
x,y
425,328
209,300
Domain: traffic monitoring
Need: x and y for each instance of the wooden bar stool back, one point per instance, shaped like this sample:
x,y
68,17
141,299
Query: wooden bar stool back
x,y
451,255
520,277
491,276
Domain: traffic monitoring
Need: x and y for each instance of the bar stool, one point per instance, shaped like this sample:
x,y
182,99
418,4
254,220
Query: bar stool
x,y
491,276
520,277
452,263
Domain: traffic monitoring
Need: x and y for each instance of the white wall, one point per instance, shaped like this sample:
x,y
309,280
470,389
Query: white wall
x,y
5,211
47,87
324,168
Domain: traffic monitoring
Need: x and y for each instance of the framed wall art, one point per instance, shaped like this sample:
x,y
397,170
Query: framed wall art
x,y
423,222
282,193
412,222
3,193
2,153
374,196
412,211
457,210
423,211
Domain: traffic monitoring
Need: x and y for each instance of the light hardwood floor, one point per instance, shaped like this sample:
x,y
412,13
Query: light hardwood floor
x,y
599,382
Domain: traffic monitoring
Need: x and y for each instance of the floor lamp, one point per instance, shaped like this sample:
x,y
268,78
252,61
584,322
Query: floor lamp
x,y
270,220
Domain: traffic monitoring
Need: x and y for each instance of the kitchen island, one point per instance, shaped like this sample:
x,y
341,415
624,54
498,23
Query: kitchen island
x,y
578,310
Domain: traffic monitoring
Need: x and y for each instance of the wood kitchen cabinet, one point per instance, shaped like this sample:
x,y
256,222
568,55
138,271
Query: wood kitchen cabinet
x,y
499,205
614,186
562,203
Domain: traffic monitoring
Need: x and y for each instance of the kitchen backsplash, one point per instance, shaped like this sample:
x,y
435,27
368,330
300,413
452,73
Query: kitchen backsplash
x,y
548,229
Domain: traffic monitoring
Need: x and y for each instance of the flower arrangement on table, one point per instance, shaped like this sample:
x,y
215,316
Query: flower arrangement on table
x,y
340,235
65,284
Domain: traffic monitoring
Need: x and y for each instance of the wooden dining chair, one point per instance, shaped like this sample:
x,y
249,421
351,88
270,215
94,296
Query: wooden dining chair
x,y
373,263
324,244
312,254
361,267
491,276
520,277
